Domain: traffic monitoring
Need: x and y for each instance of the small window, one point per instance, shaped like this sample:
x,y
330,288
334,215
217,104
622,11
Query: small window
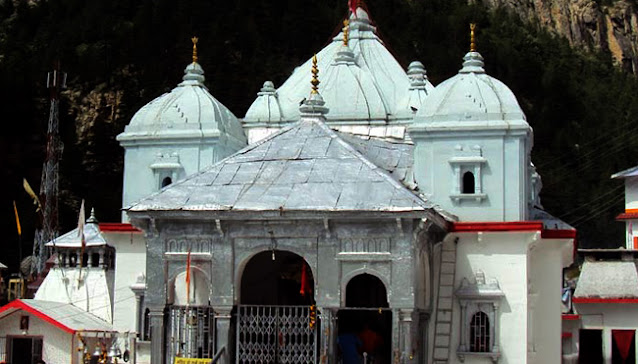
x,y
166,181
73,260
85,260
468,182
480,333
95,260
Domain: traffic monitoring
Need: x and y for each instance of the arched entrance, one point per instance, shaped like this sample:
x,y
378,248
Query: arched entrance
x,y
365,324
276,317
285,280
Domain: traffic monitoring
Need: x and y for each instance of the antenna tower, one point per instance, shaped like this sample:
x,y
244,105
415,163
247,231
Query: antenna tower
x,y
48,230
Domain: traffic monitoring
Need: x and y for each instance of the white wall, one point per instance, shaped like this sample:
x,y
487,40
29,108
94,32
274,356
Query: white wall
x,y
56,343
130,262
608,317
529,272
504,176
140,180
545,283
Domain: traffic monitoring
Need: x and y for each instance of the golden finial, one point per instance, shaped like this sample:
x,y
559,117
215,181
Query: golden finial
x,y
194,40
315,79
472,37
346,31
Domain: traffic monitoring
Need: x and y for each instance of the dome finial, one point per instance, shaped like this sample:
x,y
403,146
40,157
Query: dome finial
x,y
315,78
472,37
194,40
346,31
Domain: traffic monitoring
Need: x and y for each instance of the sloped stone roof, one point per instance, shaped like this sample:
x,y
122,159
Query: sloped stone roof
x,y
395,157
305,167
608,279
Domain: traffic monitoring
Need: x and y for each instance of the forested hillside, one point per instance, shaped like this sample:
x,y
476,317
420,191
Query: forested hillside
x,y
119,55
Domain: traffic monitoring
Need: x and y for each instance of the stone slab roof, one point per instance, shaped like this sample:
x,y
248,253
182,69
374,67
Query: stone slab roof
x,y
608,279
62,315
395,157
92,236
305,167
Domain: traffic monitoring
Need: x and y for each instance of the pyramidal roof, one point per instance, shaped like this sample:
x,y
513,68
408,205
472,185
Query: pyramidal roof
x,y
306,167
388,88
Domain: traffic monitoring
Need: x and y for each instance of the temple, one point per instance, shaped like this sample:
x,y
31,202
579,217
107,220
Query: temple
x,y
355,197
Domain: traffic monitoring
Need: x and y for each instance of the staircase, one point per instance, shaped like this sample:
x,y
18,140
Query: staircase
x,y
443,323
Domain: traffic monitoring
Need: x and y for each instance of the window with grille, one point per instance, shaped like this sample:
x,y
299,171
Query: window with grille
x,y
479,327
480,333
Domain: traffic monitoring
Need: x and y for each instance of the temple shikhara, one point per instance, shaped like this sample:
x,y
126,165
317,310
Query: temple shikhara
x,y
355,214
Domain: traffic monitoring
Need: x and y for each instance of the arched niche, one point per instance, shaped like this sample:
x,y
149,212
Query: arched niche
x,y
366,290
199,290
285,280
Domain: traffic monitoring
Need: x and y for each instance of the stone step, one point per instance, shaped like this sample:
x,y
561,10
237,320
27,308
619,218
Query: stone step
x,y
447,279
441,353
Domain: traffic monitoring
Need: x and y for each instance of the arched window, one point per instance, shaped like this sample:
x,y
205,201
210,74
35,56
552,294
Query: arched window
x,y
166,181
480,333
468,182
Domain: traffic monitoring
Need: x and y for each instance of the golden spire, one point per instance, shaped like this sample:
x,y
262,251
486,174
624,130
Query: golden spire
x,y
346,31
194,40
315,79
472,37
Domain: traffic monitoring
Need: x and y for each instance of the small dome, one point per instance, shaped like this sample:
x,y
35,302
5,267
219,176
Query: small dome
x,y
420,87
471,96
189,110
266,107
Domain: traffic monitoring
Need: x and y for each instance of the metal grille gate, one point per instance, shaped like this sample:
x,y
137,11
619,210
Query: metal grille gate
x,y
275,334
190,332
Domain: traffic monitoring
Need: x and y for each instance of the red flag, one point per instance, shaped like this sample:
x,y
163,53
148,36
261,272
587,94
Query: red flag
x,y
188,276
623,339
353,5
304,281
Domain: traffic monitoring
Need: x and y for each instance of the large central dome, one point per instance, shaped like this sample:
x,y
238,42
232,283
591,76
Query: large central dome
x,y
385,81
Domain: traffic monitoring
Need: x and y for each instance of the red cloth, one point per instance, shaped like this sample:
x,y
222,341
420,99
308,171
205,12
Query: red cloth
x,y
353,5
304,281
623,339
188,277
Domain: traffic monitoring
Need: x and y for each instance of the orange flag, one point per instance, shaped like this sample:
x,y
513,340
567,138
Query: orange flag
x,y
15,209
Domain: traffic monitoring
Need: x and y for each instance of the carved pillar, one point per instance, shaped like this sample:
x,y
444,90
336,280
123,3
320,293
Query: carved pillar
x,y
463,346
495,328
223,332
396,337
407,335
156,317
327,336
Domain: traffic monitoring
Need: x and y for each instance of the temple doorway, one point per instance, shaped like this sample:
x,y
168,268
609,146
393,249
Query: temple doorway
x,y
276,317
365,324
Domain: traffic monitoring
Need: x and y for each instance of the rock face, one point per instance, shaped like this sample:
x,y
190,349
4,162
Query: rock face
x,y
608,25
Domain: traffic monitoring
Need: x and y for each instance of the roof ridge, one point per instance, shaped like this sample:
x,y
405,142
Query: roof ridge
x,y
375,168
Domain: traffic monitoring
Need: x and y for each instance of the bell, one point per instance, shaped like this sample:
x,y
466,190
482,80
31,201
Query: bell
x,y
97,352
112,353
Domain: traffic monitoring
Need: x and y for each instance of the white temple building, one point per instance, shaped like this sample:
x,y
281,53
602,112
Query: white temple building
x,y
356,196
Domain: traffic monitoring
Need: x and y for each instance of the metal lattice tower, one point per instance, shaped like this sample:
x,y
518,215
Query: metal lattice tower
x,y
48,230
